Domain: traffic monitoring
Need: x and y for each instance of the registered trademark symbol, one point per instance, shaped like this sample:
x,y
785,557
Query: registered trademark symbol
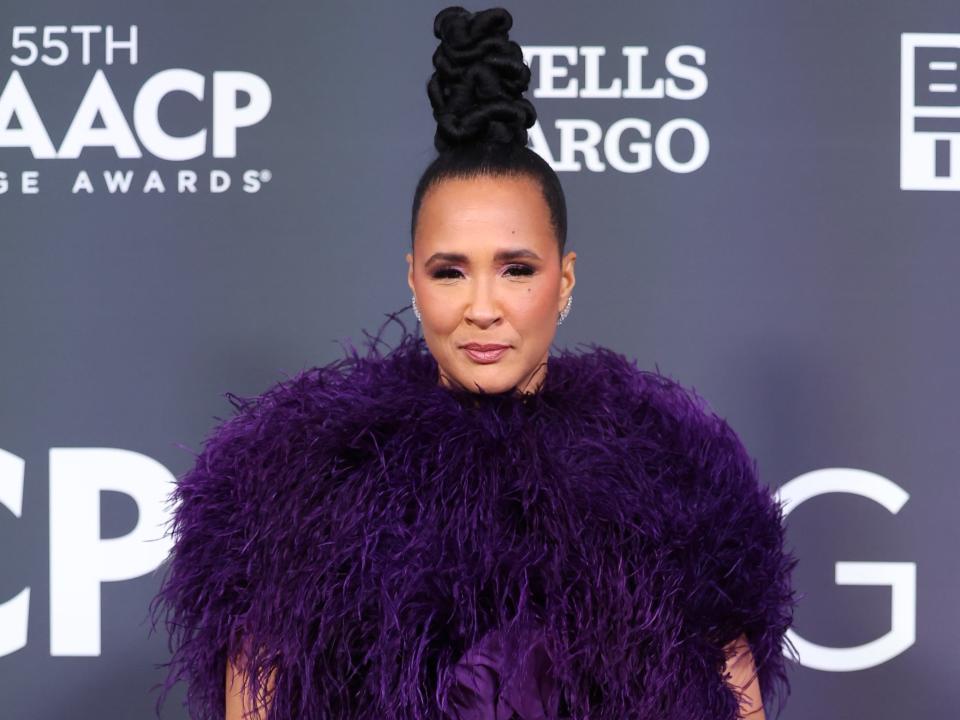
x,y
265,175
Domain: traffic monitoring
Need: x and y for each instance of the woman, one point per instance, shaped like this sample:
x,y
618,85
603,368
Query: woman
x,y
466,526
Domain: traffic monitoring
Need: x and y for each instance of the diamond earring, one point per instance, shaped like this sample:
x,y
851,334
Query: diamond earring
x,y
416,310
565,311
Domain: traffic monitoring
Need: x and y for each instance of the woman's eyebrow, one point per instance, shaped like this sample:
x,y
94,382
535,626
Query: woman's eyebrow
x,y
501,255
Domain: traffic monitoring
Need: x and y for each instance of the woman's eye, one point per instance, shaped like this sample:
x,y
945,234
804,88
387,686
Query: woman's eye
x,y
520,270
444,273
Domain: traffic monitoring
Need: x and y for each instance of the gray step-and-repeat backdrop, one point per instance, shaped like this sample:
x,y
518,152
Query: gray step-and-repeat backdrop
x,y
199,198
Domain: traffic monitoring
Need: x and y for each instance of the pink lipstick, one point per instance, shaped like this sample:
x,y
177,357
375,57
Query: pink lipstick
x,y
485,353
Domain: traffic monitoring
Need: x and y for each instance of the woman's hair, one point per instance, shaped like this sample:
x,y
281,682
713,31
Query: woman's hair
x,y
482,118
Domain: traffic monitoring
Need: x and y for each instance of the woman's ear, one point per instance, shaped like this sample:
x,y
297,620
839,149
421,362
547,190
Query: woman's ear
x,y
567,276
410,271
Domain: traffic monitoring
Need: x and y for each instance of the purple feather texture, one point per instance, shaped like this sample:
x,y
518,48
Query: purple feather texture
x,y
372,539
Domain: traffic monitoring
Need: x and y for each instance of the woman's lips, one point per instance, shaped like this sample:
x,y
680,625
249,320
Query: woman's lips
x,y
485,356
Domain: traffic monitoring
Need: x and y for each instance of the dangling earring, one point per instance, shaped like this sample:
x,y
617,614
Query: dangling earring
x,y
565,311
416,310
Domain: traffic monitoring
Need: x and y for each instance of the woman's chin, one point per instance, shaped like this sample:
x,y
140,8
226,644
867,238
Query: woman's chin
x,y
488,379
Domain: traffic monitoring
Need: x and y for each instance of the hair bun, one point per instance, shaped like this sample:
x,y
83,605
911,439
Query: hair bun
x,y
477,88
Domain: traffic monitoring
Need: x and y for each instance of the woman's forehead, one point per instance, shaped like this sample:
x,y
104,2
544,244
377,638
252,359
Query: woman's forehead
x,y
484,205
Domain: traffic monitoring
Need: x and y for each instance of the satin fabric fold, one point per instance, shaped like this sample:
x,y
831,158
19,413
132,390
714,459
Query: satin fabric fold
x,y
483,693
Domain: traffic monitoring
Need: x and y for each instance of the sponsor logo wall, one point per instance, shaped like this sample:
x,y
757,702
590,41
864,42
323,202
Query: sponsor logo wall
x,y
201,200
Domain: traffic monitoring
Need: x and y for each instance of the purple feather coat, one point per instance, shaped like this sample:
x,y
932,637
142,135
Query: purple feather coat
x,y
387,548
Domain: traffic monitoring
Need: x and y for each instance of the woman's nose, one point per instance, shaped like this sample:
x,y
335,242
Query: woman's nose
x,y
483,308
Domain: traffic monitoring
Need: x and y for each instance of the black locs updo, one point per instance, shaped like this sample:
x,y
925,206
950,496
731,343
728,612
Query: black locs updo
x,y
476,91
482,117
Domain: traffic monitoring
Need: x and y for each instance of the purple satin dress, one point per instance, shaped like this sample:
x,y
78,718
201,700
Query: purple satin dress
x,y
522,697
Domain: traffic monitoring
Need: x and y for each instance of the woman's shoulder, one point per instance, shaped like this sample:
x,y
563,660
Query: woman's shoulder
x,y
666,425
598,375
306,418
324,393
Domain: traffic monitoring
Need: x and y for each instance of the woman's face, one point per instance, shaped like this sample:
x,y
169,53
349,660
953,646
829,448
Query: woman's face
x,y
486,270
